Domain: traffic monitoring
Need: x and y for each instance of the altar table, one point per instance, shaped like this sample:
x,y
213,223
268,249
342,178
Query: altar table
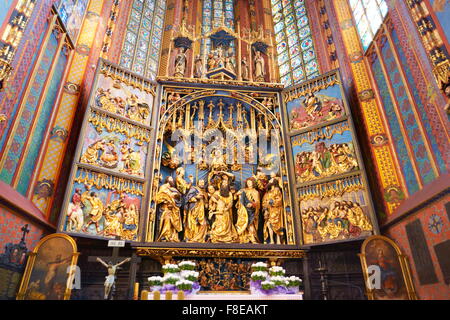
x,y
232,296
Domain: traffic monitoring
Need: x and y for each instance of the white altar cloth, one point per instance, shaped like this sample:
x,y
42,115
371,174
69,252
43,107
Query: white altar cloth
x,y
233,296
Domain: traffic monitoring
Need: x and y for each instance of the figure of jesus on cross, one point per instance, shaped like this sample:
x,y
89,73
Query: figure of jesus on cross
x,y
111,277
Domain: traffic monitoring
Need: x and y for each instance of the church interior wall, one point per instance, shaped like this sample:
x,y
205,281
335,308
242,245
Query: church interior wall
x,y
423,236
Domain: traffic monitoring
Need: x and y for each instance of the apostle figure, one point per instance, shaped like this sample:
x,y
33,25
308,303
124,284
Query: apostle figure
x,y
229,65
168,202
245,73
180,63
198,67
259,67
248,213
223,230
195,223
211,62
273,213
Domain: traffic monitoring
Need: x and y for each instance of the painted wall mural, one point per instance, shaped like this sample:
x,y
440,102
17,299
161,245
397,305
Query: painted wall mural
x,y
332,191
107,186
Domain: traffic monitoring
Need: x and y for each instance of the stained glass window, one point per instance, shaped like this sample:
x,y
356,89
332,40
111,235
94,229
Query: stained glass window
x,y
71,13
140,51
369,15
294,44
214,12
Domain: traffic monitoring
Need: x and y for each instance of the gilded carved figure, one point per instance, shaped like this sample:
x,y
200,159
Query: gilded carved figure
x,y
272,204
260,72
195,222
168,202
249,204
180,63
223,230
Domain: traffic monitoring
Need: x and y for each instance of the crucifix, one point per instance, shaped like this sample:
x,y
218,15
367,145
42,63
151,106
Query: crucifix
x,y
25,231
113,263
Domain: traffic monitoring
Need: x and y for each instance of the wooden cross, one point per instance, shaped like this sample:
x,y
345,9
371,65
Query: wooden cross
x,y
114,259
25,230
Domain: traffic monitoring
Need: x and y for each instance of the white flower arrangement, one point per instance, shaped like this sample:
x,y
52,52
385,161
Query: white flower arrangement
x,y
184,284
259,266
190,275
279,281
187,265
267,285
277,271
294,281
171,279
155,281
259,276
170,268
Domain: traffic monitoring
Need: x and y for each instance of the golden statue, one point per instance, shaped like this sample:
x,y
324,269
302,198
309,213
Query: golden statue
x,y
180,63
180,183
356,216
133,111
218,167
195,224
248,213
96,209
132,161
167,200
273,212
130,223
222,230
91,154
259,67
109,156
114,217
105,100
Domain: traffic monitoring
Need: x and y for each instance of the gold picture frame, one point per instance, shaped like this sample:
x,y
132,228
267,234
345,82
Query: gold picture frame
x,y
384,255
50,269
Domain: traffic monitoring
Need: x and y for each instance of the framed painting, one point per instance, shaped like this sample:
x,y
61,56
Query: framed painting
x,y
50,269
386,270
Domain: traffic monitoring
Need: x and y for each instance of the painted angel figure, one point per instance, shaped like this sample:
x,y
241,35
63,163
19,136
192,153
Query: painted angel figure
x,y
111,277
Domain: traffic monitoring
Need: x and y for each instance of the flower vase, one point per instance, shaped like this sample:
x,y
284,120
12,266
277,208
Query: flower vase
x,y
267,292
196,288
169,287
293,290
255,286
187,292
280,290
